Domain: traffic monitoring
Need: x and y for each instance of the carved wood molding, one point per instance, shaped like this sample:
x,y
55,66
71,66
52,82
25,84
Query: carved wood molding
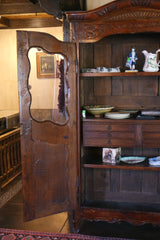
x,y
114,7
133,14
123,16
92,33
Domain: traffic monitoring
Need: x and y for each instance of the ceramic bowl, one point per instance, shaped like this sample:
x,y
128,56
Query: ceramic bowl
x,y
98,109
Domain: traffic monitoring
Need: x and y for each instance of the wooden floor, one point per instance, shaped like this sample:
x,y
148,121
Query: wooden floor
x,y
11,216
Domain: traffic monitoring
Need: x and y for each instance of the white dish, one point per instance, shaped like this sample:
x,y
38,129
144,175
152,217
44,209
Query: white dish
x,y
132,159
117,115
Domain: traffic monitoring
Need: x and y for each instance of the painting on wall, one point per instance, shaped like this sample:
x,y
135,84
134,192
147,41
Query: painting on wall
x,y
47,65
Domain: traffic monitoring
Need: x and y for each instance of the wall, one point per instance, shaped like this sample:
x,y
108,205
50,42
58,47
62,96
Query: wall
x,y
8,65
8,60
91,4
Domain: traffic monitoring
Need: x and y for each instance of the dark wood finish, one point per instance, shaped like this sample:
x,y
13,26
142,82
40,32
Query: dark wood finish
x,y
33,22
119,74
48,161
29,21
104,37
115,18
25,14
122,133
57,7
10,159
19,7
134,217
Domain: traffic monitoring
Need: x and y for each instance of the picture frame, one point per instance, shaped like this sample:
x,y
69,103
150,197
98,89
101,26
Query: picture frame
x,y
47,66
111,155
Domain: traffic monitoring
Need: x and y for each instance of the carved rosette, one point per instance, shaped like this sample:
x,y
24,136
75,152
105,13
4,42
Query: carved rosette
x,y
89,31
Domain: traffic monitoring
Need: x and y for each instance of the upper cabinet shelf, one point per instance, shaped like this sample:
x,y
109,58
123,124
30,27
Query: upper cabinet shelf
x,y
119,74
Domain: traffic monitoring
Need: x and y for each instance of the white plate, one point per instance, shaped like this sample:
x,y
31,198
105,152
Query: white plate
x,y
117,115
132,159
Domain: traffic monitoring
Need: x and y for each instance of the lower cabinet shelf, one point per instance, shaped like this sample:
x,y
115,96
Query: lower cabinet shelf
x,y
140,166
121,190
111,215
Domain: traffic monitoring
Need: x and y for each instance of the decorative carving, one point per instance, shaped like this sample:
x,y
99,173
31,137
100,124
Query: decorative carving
x,y
91,31
107,10
97,31
145,3
117,17
134,15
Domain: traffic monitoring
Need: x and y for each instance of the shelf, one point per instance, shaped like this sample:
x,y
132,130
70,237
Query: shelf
x,y
138,166
121,121
119,74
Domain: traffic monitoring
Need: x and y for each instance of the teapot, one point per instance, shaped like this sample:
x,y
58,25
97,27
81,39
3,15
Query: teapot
x,y
151,64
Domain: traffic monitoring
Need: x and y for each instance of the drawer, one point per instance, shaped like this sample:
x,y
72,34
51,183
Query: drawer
x,y
151,128
109,142
151,140
103,139
107,127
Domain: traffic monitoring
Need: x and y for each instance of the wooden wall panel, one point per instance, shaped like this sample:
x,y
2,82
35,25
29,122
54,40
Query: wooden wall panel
x,y
150,181
130,181
129,186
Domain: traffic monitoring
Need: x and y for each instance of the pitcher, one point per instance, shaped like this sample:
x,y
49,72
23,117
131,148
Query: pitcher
x,y
151,64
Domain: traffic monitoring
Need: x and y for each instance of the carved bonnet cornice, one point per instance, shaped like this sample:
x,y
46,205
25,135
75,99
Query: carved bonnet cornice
x,y
113,8
121,16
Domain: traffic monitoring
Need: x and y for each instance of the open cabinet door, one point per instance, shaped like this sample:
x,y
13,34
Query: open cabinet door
x,y
47,97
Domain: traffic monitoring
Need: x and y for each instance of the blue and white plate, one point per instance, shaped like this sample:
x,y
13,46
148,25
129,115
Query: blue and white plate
x,y
132,159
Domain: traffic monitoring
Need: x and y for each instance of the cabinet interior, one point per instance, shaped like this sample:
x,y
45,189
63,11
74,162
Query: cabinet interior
x,y
133,92
131,187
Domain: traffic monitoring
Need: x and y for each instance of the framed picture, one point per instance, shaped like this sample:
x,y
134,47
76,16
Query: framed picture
x,y
47,66
111,155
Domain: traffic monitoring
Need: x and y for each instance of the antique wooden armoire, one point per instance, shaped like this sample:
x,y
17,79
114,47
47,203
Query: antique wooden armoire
x,y
62,159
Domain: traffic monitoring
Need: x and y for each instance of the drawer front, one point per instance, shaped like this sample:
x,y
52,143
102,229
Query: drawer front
x,y
107,127
151,135
108,135
110,142
151,128
151,140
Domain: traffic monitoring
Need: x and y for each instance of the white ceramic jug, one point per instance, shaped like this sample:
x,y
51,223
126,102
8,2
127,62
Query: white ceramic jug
x,y
151,64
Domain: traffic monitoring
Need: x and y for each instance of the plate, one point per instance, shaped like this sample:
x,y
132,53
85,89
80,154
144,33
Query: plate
x,y
151,113
117,115
132,159
98,109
